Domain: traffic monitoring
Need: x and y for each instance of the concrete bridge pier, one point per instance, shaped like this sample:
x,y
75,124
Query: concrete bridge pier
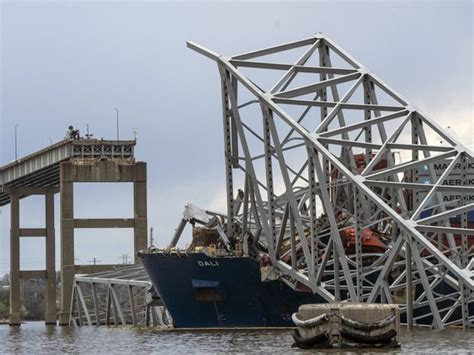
x,y
55,169
16,275
15,302
96,171
50,316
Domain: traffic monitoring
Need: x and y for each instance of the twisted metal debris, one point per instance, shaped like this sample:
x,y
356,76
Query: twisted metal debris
x,y
329,156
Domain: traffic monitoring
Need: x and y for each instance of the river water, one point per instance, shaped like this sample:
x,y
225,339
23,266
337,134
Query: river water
x,y
35,337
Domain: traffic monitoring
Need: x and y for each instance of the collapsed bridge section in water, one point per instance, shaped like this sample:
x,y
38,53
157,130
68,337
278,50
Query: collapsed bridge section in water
x,y
329,155
122,296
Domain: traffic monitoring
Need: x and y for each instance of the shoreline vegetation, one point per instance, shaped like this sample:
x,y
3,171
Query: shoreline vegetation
x,y
32,299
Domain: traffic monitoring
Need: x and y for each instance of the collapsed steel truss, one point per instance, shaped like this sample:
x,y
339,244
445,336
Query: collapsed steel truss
x,y
122,296
295,145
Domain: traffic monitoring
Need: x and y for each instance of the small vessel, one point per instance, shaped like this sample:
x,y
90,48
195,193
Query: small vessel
x,y
347,325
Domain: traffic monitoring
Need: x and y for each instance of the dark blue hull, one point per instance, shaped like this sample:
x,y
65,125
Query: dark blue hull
x,y
204,292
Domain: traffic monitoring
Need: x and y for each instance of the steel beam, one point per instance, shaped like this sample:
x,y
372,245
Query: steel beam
x,y
373,191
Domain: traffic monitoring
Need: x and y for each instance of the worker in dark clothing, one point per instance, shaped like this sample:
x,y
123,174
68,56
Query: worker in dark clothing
x,y
73,133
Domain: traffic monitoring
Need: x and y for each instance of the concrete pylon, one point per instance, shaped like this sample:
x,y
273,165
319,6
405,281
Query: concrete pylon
x,y
15,318
16,275
50,316
97,171
140,208
67,240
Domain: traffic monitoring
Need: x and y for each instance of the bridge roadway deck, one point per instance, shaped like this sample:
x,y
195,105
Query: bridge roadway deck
x,y
55,169
41,169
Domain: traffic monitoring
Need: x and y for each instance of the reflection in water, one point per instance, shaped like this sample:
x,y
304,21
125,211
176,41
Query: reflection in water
x,y
35,337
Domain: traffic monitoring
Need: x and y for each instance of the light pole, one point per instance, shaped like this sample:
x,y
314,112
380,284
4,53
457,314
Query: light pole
x,y
117,111
16,141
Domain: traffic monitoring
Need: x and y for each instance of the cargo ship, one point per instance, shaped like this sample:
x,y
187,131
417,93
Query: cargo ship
x,y
203,287
220,283
208,286
341,233
200,291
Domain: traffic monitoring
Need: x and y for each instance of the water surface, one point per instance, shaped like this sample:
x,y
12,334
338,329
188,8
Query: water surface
x,y
35,337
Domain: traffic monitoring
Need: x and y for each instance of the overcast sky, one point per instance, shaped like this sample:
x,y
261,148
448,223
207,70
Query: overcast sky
x,y
71,63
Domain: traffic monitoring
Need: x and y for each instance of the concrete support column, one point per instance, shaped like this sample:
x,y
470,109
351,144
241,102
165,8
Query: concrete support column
x,y
50,316
140,208
15,318
67,242
97,171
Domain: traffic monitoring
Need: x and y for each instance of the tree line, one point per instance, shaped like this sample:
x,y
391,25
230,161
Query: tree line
x,y
32,298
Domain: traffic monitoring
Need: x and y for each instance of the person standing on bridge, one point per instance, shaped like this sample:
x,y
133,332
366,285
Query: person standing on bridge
x,y
73,133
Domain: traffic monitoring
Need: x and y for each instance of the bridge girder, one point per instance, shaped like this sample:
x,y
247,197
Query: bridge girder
x,y
316,149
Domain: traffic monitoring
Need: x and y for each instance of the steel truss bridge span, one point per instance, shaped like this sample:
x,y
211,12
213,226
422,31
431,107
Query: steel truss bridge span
x,y
322,145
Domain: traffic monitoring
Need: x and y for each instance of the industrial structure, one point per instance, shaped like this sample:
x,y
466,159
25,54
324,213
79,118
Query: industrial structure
x,y
54,170
320,146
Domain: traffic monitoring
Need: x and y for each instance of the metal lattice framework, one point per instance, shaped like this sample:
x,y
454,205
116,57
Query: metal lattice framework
x,y
321,145
121,296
